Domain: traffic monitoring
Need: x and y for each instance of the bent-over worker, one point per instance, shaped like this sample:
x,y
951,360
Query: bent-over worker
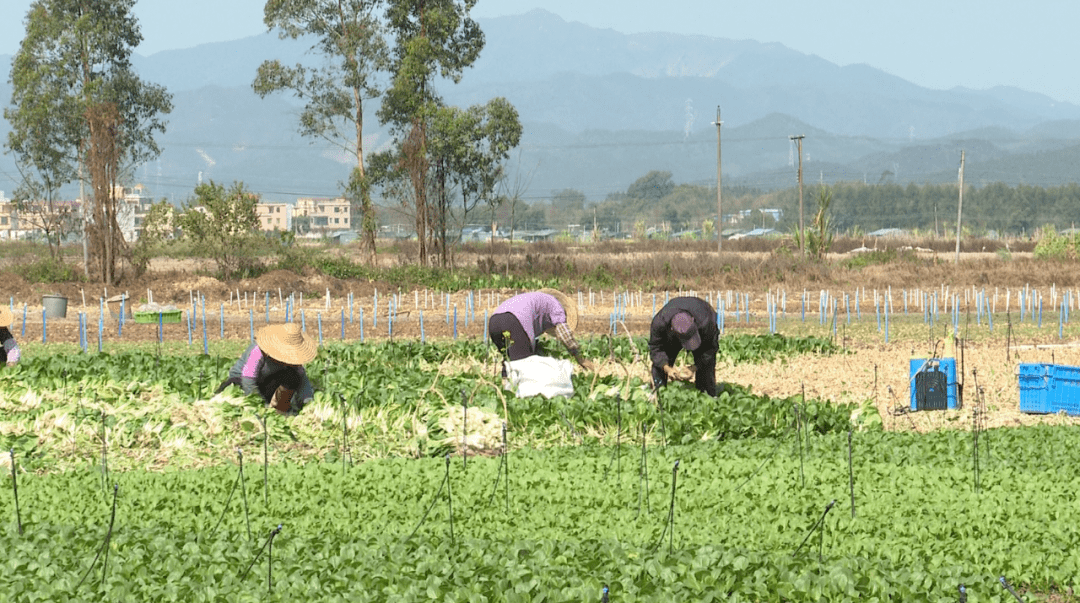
x,y
273,366
9,349
685,323
528,315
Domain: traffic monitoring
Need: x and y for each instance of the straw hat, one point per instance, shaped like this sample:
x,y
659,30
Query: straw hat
x,y
6,317
568,307
286,343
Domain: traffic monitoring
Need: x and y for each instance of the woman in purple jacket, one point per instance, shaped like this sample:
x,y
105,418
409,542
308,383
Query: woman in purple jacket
x,y
520,320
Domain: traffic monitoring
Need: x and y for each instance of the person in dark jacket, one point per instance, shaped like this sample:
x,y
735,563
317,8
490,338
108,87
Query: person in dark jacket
x,y
273,367
685,323
9,349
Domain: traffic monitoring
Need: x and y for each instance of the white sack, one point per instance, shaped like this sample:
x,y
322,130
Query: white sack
x,y
542,375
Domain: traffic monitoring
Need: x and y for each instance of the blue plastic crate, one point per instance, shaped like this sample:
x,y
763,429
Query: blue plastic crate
x,y
928,365
1049,388
1067,389
1035,384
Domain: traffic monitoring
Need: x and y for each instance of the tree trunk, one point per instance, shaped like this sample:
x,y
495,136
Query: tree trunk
x,y
415,156
368,224
103,156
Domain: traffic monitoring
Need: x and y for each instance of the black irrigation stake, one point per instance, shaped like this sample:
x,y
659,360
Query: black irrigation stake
x,y
671,512
963,594
104,454
643,476
975,448
499,473
243,491
104,545
1008,335
344,432
571,426
798,435
464,431
981,405
604,595
433,501
1005,584
976,432
772,453
660,405
266,454
270,559
851,474
15,488
616,454
814,527
506,467
228,499
759,467
449,499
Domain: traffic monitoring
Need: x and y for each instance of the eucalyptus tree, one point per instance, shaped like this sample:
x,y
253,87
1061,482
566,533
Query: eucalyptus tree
x,y
349,37
468,148
432,38
79,110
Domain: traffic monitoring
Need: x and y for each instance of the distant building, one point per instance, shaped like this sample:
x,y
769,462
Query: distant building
x,y
886,232
7,217
344,237
274,216
775,213
133,203
476,234
757,232
34,218
325,216
532,236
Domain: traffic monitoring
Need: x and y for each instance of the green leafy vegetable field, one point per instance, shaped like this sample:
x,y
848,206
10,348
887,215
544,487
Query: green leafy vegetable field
x,y
681,498
569,522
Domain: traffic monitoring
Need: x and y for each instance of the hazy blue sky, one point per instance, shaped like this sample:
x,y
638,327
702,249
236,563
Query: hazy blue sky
x,y
934,43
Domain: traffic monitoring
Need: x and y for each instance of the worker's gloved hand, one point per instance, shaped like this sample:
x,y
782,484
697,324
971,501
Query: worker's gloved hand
x,y
685,373
587,364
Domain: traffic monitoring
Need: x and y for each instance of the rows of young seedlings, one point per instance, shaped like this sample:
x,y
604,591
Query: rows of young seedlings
x,y
800,516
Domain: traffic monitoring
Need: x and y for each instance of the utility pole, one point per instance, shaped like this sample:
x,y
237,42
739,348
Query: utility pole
x,y
802,231
719,179
960,207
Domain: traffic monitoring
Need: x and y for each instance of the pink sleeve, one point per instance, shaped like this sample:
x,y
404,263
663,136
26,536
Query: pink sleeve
x,y
251,367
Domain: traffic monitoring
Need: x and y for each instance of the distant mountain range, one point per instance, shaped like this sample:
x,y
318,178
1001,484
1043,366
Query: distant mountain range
x,y
601,109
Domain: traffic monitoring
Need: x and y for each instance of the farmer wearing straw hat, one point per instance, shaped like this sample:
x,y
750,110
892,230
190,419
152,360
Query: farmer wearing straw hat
x,y
9,350
685,323
273,366
524,317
